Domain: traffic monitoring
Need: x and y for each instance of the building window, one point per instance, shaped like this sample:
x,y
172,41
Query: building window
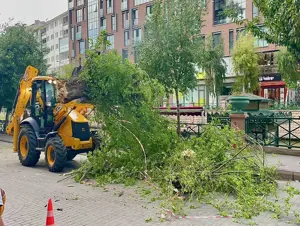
x,y
255,12
102,24
82,47
48,39
219,17
124,5
79,2
137,36
52,59
126,38
57,59
93,20
149,10
52,48
135,16
52,37
79,15
109,6
139,2
113,23
125,20
124,54
261,42
72,34
56,23
79,29
216,39
239,33
56,46
111,39
231,40
56,35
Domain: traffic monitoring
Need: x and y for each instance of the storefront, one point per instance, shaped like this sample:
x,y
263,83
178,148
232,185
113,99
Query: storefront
x,y
272,87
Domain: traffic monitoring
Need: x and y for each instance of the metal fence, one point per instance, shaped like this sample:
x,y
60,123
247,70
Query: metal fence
x,y
2,126
274,131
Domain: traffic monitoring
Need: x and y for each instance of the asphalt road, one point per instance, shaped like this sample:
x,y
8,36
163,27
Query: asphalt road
x,y
28,191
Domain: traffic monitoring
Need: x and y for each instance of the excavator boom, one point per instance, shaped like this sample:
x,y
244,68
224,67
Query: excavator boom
x,y
21,100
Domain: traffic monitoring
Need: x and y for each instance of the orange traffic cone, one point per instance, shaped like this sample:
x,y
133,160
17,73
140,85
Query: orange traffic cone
x,y
50,215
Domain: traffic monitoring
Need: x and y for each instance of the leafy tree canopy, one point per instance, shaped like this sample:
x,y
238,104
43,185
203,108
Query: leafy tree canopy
x,y
287,66
245,63
18,49
279,17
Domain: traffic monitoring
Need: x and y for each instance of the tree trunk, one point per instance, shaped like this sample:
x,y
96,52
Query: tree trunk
x,y
71,90
6,118
178,112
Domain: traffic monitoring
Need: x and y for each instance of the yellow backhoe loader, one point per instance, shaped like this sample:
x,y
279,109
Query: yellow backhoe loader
x,y
40,124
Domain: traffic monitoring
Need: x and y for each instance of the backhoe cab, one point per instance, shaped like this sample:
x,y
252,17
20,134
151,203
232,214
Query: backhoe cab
x,y
39,124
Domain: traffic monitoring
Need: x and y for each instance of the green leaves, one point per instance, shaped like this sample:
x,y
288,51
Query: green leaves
x,y
245,62
287,66
169,51
18,49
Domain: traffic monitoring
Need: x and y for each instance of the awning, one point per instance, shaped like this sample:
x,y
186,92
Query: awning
x,y
275,83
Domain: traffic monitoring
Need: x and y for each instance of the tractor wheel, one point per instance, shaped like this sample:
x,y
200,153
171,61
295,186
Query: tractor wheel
x,y
27,144
55,154
71,155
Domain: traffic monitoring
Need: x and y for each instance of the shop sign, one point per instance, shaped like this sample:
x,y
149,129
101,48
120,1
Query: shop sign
x,y
270,78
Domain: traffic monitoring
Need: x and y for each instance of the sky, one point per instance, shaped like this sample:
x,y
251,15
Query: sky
x,y
27,11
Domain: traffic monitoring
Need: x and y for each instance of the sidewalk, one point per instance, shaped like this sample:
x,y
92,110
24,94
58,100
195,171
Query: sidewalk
x,y
288,165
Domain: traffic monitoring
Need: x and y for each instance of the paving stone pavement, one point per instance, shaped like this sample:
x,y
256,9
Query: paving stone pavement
x,y
28,191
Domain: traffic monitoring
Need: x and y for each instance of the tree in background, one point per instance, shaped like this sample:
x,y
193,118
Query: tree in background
x,y
18,49
65,72
172,44
287,66
214,66
245,63
280,20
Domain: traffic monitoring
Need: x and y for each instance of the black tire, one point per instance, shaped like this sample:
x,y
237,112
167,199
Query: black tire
x,y
27,139
55,154
71,155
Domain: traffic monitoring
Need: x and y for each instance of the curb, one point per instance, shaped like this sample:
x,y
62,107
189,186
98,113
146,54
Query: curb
x,y
288,175
6,141
282,151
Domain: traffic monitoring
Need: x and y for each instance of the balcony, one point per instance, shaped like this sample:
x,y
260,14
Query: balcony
x,y
124,6
126,42
109,10
136,41
268,69
71,5
126,25
135,21
102,28
78,36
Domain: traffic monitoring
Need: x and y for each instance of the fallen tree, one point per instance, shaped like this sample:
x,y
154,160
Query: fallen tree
x,y
142,145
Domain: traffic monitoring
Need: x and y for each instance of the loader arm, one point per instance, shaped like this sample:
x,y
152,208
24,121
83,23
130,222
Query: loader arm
x,y
21,100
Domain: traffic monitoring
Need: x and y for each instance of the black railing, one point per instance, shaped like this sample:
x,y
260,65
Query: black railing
x,y
191,129
2,126
274,131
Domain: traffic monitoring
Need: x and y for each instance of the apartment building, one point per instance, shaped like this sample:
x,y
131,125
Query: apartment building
x,y
122,19
124,22
54,35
